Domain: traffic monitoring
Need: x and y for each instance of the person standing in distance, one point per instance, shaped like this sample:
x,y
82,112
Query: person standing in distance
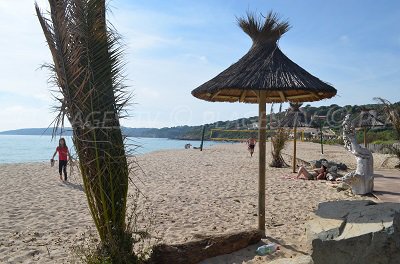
x,y
251,144
63,157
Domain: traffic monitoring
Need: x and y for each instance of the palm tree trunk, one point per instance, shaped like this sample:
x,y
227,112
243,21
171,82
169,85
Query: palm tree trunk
x,y
87,69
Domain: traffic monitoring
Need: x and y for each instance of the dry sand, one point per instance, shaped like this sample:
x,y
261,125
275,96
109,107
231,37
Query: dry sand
x,y
190,192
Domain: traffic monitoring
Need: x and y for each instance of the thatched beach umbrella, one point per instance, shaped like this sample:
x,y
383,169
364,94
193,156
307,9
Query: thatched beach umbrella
x,y
367,119
264,75
294,118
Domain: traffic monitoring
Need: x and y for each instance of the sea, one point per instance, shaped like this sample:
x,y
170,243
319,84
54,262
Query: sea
x,y
23,148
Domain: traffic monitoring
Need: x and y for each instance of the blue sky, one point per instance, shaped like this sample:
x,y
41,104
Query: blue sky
x,y
174,46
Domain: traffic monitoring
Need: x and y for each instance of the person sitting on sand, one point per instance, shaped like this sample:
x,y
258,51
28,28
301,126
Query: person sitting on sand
x,y
317,174
63,155
251,144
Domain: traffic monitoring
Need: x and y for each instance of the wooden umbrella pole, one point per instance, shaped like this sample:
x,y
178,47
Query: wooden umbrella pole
x,y
322,140
294,149
365,137
262,119
202,138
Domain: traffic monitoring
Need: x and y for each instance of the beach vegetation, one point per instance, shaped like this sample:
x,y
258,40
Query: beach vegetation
x,y
278,141
392,112
140,229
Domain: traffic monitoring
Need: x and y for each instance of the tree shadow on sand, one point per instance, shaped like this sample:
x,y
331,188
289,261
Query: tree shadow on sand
x,y
248,254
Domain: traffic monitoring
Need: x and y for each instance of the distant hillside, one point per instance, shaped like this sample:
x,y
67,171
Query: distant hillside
x,y
34,131
134,132
194,132
180,132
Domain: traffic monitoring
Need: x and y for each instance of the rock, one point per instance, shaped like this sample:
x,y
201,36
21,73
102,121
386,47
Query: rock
x,y
342,187
329,164
342,166
305,259
355,232
333,169
332,173
330,177
316,163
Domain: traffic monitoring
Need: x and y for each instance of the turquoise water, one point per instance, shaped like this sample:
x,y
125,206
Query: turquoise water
x,y
15,149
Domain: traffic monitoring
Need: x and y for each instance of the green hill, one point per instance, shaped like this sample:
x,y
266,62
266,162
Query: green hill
x,y
334,113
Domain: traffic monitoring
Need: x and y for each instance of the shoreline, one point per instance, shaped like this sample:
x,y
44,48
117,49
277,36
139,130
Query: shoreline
x,y
46,148
128,156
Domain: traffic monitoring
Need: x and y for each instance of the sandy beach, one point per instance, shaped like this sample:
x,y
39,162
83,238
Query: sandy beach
x,y
191,193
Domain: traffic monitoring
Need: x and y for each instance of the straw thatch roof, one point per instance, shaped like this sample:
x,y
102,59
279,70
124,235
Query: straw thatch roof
x,y
367,118
264,67
294,117
317,121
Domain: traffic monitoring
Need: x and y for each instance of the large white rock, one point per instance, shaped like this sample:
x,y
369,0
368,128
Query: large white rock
x,y
355,232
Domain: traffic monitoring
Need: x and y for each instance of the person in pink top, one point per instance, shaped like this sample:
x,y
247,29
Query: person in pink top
x,y
63,156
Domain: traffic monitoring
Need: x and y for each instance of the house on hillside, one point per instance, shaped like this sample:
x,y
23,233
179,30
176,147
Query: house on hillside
x,y
253,125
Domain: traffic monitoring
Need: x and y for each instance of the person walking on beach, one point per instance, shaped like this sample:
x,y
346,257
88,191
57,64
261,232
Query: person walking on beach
x,y
251,144
63,156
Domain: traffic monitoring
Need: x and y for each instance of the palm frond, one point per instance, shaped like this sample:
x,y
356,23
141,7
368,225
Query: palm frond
x,y
295,107
88,71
